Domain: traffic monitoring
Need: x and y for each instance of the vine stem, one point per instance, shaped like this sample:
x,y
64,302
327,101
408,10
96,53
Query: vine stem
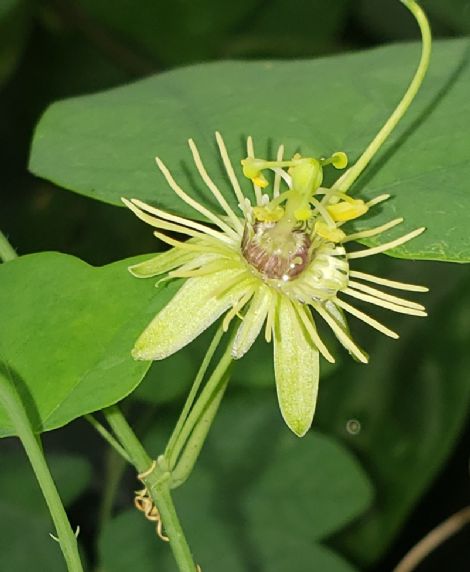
x,y
433,540
156,477
214,388
176,437
7,252
346,180
114,443
13,405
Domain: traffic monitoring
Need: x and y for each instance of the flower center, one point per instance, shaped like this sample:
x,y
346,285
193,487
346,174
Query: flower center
x,y
275,254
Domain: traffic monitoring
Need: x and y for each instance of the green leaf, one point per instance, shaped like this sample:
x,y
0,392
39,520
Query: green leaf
x,y
409,403
24,515
67,331
283,552
103,145
313,484
259,497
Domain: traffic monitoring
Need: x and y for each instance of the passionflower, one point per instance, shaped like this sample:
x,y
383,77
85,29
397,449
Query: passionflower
x,y
276,265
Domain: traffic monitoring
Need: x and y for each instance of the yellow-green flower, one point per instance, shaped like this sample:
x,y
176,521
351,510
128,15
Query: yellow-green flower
x,y
276,265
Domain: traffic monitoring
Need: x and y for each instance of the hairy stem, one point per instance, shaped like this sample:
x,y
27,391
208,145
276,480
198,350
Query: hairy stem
x,y
13,405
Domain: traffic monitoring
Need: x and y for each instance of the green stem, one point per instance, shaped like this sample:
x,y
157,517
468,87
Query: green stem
x,y
201,404
192,394
346,180
13,405
7,252
130,442
108,437
157,484
194,444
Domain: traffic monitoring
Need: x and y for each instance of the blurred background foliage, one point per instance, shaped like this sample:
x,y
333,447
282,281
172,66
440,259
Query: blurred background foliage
x,y
402,417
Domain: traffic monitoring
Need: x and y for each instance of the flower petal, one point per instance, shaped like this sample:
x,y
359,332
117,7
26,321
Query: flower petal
x,y
296,366
193,309
252,321
161,263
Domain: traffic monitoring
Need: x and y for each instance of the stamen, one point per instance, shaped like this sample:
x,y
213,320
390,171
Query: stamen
x,y
373,231
284,176
204,270
278,176
157,223
342,336
213,187
180,220
386,282
323,212
387,245
367,319
268,330
250,150
384,296
188,245
229,168
377,200
309,324
383,303
237,280
236,308
192,203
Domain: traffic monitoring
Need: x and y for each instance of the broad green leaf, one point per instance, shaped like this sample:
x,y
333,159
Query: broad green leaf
x,y
283,552
312,485
104,145
227,506
67,331
24,519
409,403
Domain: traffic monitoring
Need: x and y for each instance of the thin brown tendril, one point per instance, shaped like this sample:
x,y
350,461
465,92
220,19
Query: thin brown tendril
x,y
148,472
433,540
145,504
